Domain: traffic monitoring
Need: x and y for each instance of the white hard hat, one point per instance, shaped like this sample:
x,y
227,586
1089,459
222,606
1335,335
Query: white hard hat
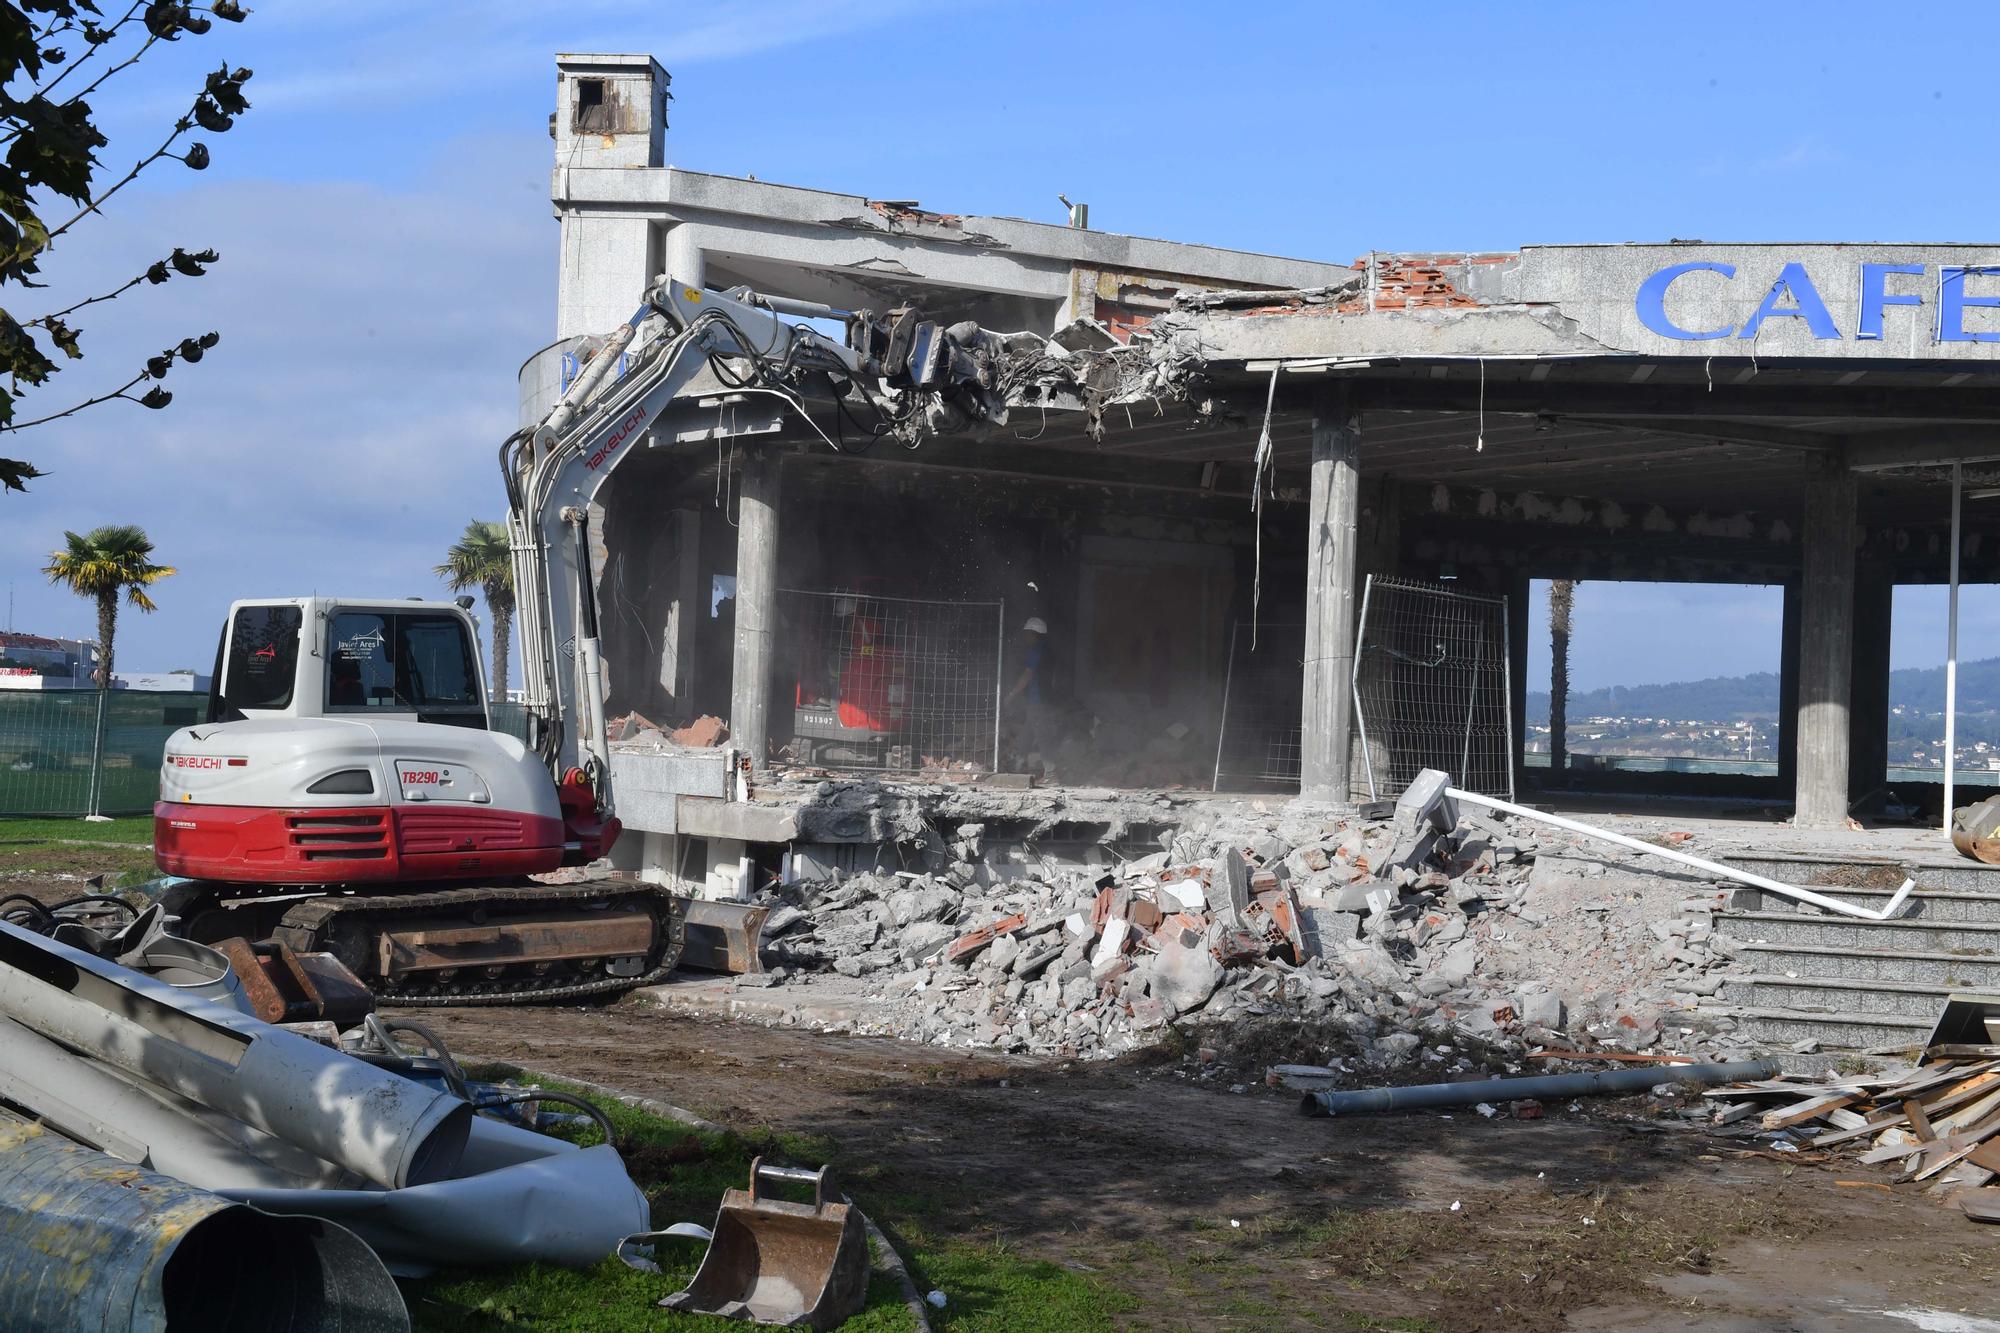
x,y
1036,625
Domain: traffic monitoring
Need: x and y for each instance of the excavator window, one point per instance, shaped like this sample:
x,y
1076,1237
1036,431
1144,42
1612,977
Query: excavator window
x,y
259,664
403,660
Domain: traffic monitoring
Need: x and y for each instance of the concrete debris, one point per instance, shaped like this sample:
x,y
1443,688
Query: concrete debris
x,y
1389,928
635,729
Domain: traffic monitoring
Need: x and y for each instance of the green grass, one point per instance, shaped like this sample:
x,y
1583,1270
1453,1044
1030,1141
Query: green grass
x,y
683,1172
134,830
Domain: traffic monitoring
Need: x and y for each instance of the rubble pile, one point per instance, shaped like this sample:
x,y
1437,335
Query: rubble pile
x,y
1392,932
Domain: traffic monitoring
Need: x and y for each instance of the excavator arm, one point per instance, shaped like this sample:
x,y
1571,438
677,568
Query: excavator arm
x,y
918,376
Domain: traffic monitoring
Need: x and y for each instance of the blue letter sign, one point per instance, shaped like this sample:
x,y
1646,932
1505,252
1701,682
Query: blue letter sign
x,y
1652,301
1806,305
1952,302
1874,296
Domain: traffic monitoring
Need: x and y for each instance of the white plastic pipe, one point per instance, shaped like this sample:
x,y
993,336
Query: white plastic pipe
x,y
1716,868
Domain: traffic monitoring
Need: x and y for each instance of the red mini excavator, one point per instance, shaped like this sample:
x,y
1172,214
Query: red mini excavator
x,y
347,794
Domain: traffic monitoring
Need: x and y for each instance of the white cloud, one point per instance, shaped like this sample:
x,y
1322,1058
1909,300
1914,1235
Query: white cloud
x,y
345,428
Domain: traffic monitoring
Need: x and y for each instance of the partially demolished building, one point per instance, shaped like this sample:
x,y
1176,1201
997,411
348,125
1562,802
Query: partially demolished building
x,y
1226,482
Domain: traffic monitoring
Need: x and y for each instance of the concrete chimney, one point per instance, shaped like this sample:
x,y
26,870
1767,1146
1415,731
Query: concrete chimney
x,y
611,110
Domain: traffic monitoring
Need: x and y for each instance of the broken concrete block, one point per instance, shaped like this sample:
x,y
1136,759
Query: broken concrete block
x,y
1004,950
1354,898
1111,943
1460,961
704,733
1184,977
1544,1010
921,903
1331,929
1229,888
920,939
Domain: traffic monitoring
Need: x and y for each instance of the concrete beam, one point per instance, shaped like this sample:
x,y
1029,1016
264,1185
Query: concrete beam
x,y
1826,647
1688,402
1332,572
760,482
742,821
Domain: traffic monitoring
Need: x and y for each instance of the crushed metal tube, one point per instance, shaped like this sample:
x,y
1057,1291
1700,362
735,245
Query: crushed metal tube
x,y
89,1242
155,1078
386,1129
521,1197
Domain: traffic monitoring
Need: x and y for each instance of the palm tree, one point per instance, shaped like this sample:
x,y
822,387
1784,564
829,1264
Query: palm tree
x,y
484,559
1562,601
101,564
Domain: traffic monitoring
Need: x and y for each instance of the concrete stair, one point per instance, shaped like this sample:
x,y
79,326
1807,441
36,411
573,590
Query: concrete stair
x,y
1850,984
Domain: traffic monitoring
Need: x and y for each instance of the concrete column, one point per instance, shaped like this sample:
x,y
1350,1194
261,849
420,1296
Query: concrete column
x,y
1788,688
687,258
1868,719
1325,758
1826,647
759,483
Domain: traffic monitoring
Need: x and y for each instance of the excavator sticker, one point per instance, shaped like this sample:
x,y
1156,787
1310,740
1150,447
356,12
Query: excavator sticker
x,y
618,437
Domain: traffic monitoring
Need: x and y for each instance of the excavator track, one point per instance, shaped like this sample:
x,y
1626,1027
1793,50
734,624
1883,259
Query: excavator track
x,y
352,928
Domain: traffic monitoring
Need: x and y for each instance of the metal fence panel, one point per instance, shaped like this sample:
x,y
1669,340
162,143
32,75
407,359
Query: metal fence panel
x,y
47,738
1257,747
890,683
1431,686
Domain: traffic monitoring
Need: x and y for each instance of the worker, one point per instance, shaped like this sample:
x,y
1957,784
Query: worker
x,y
1028,699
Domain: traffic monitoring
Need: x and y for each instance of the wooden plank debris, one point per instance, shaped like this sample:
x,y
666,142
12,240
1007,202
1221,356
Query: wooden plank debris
x,y
1937,1122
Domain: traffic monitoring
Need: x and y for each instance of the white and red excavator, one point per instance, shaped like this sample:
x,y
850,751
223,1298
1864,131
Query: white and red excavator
x,y
347,794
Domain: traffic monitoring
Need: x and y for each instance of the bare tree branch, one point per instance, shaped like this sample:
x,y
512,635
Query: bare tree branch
x,y
119,392
130,15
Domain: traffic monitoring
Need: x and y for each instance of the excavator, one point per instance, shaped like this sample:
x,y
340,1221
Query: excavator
x,y
346,793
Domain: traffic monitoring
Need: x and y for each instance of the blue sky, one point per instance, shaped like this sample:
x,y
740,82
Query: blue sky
x,y
389,257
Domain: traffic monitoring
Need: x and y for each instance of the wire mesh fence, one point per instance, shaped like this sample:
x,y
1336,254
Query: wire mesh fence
x,y
48,739
1257,747
891,683
1431,687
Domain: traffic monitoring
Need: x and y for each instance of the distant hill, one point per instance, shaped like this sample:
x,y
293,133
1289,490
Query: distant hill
x,y
1755,697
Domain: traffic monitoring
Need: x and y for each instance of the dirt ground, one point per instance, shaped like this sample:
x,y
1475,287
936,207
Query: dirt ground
x,y
1215,1209
1222,1209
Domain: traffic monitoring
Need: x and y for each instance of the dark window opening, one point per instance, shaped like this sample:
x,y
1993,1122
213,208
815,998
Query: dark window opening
x,y
411,662
260,664
593,112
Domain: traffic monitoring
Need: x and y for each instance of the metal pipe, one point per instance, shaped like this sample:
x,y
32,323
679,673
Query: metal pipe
x,y
1951,649
1819,900
384,1128
135,1122
1538,1085
87,1241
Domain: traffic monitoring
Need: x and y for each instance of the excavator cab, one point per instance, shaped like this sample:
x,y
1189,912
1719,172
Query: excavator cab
x,y
418,659
347,795
348,743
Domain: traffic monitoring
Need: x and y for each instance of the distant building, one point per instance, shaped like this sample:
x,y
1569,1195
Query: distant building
x,y
186,681
35,662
